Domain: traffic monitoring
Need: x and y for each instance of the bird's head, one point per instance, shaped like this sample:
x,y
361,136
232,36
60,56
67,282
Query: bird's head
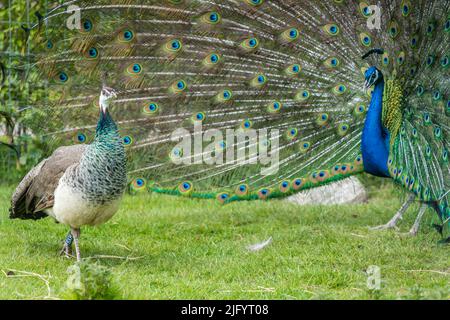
x,y
106,95
372,76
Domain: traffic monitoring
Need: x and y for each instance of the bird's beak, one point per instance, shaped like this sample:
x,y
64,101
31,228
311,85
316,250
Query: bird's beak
x,y
366,85
107,94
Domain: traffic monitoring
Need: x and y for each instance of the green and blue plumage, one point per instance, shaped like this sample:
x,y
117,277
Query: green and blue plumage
x,y
294,66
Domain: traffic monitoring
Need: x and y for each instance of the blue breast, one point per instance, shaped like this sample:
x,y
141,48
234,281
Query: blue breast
x,y
375,137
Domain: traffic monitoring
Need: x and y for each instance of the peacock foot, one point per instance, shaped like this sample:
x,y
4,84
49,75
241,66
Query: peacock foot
x,y
76,235
392,224
67,247
415,228
66,251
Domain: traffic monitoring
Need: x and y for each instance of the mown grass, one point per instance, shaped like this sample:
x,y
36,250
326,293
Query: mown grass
x,y
196,249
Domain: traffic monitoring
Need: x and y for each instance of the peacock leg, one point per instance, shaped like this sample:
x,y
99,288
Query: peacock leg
x,y
67,248
415,228
76,235
398,216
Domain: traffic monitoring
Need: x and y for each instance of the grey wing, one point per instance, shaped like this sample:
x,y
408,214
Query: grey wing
x,y
35,192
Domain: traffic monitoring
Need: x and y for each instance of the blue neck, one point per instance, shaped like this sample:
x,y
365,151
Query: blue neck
x,y
105,125
107,133
375,137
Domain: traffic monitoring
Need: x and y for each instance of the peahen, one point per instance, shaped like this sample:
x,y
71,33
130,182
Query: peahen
x,y
77,185
255,99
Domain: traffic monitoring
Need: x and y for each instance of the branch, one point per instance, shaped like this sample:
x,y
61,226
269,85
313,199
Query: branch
x,y
8,118
432,271
20,274
14,147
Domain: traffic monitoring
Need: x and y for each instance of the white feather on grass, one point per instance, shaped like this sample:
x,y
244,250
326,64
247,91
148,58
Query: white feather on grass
x,y
260,245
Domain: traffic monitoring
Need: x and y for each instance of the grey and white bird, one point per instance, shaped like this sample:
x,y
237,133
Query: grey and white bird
x,y
77,185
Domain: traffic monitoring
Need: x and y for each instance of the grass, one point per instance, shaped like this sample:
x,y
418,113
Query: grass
x,y
196,249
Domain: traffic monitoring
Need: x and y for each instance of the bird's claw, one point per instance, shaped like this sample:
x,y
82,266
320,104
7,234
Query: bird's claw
x,y
66,251
386,226
410,233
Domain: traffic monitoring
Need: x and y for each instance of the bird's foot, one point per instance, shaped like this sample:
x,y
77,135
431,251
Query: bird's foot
x,y
411,233
392,224
387,226
415,228
76,234
66,251
67,247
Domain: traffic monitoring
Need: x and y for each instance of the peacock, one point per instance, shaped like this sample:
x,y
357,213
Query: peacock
x,y
253,99
77,185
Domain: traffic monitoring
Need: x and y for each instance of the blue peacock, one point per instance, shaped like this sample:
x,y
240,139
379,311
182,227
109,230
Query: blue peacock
x,y
337,96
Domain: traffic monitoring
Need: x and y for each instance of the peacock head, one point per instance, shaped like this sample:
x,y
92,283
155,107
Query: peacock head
x,y
372,76
106,95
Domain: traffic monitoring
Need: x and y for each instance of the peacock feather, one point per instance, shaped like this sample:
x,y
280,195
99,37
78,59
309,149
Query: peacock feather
x,y
291,71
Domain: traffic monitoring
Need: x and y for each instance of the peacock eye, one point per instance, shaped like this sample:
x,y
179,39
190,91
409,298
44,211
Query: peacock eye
x,y
87,25
93,52
136,68
63,76
128,35
175,44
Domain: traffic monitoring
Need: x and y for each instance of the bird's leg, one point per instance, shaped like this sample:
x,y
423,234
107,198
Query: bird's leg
x,y
415,228
76,235
398,216
67,248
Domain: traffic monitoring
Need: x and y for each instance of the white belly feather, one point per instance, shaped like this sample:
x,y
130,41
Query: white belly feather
x,y
70,208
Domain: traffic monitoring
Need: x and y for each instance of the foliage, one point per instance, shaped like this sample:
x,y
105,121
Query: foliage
x,y
15,94
88,280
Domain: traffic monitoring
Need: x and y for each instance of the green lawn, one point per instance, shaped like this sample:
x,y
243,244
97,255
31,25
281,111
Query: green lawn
x,y
196,249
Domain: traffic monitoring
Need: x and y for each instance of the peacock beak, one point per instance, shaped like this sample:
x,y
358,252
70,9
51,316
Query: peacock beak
x,y
106,95
367,85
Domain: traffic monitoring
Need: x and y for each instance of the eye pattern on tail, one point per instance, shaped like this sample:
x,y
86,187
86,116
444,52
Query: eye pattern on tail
x,y
293,68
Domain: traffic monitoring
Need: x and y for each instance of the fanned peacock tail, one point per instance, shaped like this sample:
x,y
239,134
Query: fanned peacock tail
x,y
293,68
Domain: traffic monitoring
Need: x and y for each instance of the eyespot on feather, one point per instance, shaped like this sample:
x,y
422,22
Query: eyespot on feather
x,y
284,186
254,3
331,29
242,190
178,87
274,107
138,184
134,69
185,188
223,197
80,138
322,119
249,45
127,140
289,35
304,146
302,95
264,193
212,18
332,62
151,108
